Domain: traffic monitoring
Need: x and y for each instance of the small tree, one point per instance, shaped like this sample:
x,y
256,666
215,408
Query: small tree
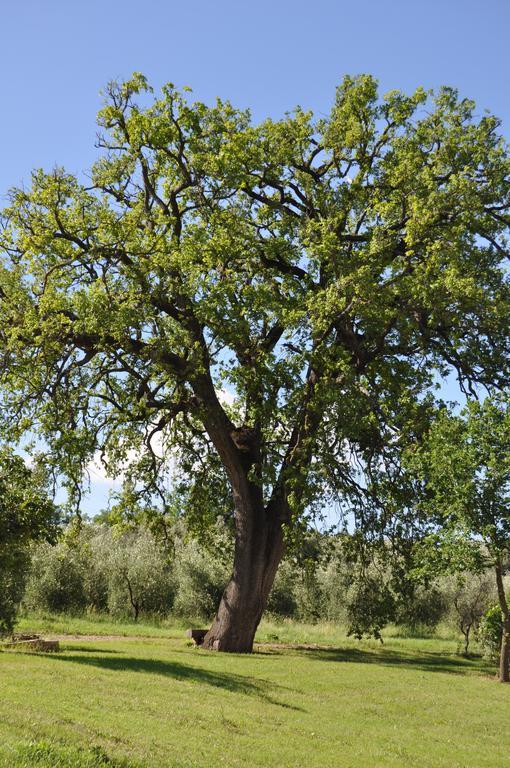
x,y
465,464
26,515
200,579
138,575
270,300
470,596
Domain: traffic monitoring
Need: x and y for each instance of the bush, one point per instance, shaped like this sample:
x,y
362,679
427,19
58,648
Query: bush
x,y
26,515
335,581
308,593
13,569
371,606
94,569
129,573
424,608
489,632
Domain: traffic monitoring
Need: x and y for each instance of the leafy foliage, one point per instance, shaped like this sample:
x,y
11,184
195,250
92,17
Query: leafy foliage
x,y
371,608
322,270
465,466
86,572
26,515
490,630
101,569
465,463
470,597
261,310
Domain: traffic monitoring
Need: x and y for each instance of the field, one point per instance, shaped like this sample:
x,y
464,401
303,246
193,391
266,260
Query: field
x,y
146,699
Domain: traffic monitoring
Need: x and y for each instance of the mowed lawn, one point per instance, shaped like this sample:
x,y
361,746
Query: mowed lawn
x,y
155,701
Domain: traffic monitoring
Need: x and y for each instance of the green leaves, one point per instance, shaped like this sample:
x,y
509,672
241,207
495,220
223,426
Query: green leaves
x,y
465,466
323,270
26,515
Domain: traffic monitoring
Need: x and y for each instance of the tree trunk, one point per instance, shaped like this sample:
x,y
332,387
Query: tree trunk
x,y
259,548
259,543
134,603
504,655
466,630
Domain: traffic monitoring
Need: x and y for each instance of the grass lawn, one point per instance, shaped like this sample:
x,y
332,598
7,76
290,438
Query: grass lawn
x,y
151,700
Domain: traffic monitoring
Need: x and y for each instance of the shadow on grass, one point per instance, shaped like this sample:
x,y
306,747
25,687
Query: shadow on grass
x,y
248,686
428,662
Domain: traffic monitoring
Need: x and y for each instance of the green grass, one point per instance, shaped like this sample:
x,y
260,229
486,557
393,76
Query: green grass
x,y
154,701
63,624
270,631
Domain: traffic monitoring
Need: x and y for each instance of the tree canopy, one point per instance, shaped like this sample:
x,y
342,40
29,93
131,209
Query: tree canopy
x,y
320,272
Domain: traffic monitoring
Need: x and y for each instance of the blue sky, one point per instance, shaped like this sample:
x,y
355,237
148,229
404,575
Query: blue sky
x,y
269,55
55,56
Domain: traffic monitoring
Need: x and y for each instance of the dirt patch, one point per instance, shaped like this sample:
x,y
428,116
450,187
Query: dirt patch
x,y
94,638
269,646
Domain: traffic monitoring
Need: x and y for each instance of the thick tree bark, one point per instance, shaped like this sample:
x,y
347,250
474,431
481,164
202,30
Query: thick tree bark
x,y
504,655
259,548
259,540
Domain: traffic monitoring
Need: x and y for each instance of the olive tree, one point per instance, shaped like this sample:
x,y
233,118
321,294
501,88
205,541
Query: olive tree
x,y
261,306
470,599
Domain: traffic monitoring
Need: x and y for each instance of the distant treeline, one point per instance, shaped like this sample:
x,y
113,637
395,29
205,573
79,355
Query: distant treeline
x,y
134,573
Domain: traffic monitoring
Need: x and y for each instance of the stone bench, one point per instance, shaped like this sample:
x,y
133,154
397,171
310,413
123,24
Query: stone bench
x,y
197,635
33,643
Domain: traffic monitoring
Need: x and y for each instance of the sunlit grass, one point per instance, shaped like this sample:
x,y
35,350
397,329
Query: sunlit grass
x,y
154,701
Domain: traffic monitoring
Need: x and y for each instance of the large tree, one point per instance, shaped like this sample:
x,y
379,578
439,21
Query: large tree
x,y
274,300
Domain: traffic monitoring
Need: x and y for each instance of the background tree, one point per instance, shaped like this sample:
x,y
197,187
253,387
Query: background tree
x,y
138,574
469,599
96,568
267,304
465,463
26,515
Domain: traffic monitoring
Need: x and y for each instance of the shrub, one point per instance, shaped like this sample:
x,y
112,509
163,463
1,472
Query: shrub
x,y
423,608
370,608
489,632
13,571
26,515
126,574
